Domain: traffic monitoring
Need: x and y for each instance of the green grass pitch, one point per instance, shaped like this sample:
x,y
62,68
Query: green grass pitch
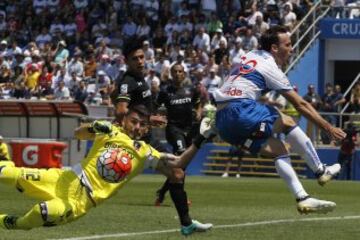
x,y
246,209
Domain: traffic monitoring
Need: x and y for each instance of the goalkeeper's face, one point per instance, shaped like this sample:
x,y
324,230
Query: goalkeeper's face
x,y
135,125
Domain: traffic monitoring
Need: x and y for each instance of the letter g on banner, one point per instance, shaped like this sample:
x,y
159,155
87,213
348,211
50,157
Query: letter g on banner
x,y
30,155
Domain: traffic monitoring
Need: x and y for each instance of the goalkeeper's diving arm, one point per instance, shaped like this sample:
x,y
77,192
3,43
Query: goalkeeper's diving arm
x,y
82,132
88,131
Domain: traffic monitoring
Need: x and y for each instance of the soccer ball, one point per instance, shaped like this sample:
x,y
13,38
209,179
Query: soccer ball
x,y
113,165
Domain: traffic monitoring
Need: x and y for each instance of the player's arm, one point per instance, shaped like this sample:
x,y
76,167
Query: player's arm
x,y
88,131
311,114
82,132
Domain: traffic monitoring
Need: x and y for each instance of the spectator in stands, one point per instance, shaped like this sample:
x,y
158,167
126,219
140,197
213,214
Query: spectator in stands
x,y
208,7
289,17
339,99
159,39
202,40
46,92
43,38
217,38
103,50
143,29
236,52
313,98
81,93
260,27
80,4
162,64
346,153
238,153
90,66
221,52
328,104
254,14
355,98
32,77
76,65
214,24
212,81
62,92
250,42
61,54
4,150
149,54
337,8
104,64
129,28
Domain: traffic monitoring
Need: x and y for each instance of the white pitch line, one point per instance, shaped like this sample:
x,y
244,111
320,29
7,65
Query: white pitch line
x,y
247,224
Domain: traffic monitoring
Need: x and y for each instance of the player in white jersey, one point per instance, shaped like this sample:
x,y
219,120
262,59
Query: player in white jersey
x,y
241,120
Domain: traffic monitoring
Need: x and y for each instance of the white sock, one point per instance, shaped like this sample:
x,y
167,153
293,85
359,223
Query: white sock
x,y
287,172
302,145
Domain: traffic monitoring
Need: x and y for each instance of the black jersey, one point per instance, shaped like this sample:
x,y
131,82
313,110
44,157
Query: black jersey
x,y
136,88
179,103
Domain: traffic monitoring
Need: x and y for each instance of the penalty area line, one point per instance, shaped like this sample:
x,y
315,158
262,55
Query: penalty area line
x,y
247,224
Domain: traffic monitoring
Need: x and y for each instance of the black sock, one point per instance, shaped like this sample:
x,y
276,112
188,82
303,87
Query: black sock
x,y
164,188
179,197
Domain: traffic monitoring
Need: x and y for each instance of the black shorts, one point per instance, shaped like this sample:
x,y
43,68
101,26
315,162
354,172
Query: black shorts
x,y
178,138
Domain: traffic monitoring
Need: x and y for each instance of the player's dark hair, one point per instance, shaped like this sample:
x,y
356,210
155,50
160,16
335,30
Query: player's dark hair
x,y
131,45
177,64
139,109
271,36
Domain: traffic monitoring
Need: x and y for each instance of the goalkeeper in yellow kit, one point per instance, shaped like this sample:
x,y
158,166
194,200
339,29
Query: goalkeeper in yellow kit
x,y
67,195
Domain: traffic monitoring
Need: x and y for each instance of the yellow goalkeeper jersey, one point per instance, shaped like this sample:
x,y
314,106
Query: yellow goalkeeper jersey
x,y
142,155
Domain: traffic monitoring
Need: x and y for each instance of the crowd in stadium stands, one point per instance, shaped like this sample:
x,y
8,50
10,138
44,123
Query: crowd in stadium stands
x,y
71,49
344,8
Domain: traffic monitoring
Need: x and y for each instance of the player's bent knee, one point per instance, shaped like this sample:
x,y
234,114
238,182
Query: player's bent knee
x,y
54,212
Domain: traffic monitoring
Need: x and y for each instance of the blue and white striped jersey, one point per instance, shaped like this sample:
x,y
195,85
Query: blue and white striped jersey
x,y
257,72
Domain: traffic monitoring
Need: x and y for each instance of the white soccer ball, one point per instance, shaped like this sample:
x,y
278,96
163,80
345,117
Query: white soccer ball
x,y
113,165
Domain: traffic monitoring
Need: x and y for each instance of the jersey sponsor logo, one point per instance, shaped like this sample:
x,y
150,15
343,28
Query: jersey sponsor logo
x,y
247,66
112,145
146,93
123,88
180,101
233,92
139,83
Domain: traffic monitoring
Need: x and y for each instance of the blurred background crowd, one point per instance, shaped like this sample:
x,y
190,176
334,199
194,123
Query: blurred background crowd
x,y
71,49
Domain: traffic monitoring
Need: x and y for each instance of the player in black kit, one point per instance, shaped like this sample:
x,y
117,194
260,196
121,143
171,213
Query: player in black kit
x,y
182,102
132,89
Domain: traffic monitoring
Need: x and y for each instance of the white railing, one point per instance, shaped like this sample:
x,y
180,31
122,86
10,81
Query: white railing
x,y
306,32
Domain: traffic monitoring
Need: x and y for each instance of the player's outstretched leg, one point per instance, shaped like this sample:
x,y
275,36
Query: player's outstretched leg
x,y
196,226
7,163
313,205
302,145
305,203
160,194
9,174
49,213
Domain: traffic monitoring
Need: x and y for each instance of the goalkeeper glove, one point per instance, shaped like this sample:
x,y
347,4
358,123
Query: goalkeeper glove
x,y
103,127
207,131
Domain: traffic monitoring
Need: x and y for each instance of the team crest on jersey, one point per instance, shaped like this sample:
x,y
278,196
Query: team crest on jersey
x,y
123,88
137,145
